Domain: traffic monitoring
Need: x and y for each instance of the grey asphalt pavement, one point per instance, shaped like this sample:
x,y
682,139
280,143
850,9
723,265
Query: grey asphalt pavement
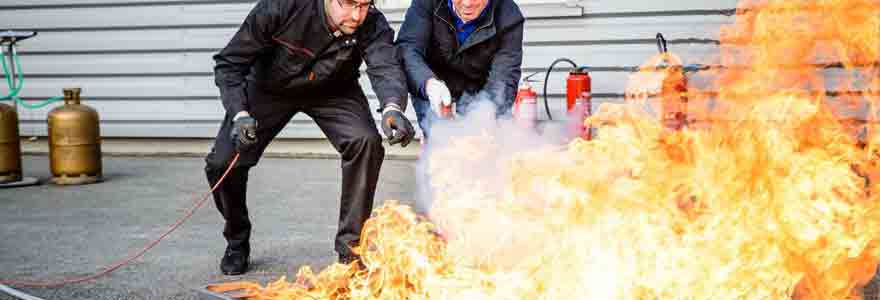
x,y
50,231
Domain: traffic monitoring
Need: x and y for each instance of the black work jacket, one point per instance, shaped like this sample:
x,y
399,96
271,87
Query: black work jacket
x,y
285,47
489,61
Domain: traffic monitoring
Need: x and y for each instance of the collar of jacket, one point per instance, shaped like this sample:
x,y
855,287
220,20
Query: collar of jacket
x,y
456,19
329,39
322,11
485,29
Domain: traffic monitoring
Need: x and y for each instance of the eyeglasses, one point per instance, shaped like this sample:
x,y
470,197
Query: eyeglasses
x,y
351,4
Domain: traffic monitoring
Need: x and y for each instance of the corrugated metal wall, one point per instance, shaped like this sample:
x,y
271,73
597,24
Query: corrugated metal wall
x,y
146,65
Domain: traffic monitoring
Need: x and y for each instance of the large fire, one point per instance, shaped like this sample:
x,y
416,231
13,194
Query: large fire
x,y
765,195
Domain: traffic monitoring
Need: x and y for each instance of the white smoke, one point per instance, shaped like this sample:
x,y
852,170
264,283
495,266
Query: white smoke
x,y
502,136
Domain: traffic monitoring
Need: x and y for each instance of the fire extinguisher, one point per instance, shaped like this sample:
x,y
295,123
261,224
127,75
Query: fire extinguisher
x,y
579,101
446,111
578,97
580,110
525,107
673,90
674,99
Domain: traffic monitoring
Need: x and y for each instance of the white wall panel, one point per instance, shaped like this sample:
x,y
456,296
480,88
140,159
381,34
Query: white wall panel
x,y
203,86
611,82
566,31
162,110
172,86
32,3
126,16
539,57
118,64
640,6
129,40
302,130
187,14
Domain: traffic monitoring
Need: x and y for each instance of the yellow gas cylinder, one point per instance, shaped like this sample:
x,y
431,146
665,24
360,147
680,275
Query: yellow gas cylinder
x,y
10,145
74,141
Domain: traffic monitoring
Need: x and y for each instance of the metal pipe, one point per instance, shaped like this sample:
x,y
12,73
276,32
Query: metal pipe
x,y
15,293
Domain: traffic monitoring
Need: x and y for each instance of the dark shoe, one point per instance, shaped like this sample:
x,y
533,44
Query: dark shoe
x,y
235,261
347,259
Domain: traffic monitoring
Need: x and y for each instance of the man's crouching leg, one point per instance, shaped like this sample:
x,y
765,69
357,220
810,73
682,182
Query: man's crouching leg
x,y
230,197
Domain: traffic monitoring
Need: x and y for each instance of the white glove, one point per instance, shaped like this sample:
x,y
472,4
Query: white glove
x,y
438,95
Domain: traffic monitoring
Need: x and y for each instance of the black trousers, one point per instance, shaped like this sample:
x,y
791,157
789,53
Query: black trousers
x,y
344,117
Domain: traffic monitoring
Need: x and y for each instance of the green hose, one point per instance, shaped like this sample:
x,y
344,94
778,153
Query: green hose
x,y
38,105
13,92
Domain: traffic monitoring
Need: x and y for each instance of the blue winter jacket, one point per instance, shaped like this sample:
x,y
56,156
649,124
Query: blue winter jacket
x,y
487,63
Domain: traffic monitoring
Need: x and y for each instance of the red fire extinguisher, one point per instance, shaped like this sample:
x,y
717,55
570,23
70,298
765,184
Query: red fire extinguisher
x,y
674,88
525,107
579,101
578,98
577,83
446,111
674,101
580,111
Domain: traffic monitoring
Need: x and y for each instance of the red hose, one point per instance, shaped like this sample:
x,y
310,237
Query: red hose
x,y
123,262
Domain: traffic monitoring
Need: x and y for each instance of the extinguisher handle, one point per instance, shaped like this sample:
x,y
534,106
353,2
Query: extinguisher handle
x,y
528,78
661,43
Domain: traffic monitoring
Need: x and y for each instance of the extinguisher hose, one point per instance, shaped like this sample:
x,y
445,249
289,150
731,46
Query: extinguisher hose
x,y
120,263
14,90
547,82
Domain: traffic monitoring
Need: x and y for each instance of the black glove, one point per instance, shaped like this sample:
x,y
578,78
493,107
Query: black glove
x,y
397,127
244,133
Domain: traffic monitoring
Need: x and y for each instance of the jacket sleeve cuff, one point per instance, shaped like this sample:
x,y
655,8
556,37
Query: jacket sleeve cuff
x,y
241,114
399,103
390,107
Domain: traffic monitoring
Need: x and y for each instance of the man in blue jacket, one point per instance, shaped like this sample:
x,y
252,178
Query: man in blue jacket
x,y
460,51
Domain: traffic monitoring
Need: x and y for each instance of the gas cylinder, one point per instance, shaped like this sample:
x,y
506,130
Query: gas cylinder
x,y
525,107
577,83
10,145
74,141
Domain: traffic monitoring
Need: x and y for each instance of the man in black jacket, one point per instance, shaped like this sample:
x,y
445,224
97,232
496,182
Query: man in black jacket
x,y
293,56
460,51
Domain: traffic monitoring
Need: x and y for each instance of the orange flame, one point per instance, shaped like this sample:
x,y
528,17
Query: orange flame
x,y
762,195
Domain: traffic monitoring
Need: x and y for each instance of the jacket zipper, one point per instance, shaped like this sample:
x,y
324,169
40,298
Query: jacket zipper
x,y
484,26
475,32
451,27
454,32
